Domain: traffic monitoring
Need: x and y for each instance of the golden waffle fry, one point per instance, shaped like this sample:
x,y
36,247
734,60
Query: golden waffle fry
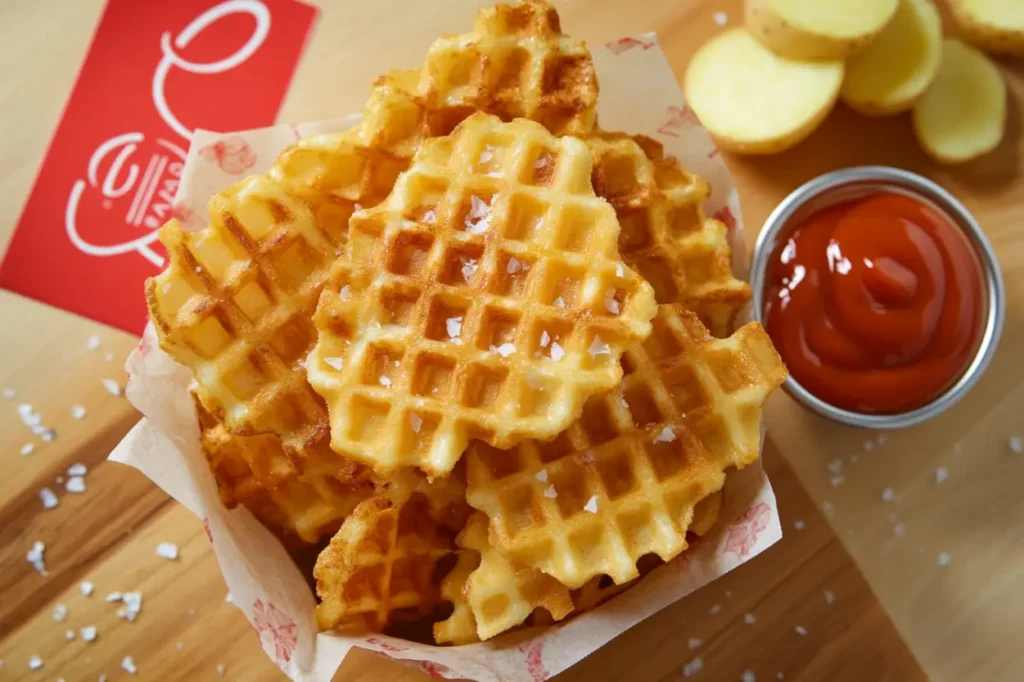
x,y
254,471
235,302
499,595
483,299
623,481
665,235
460,626
383,558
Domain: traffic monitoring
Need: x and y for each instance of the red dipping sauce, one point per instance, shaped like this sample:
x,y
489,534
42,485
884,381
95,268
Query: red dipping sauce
x,y
875,304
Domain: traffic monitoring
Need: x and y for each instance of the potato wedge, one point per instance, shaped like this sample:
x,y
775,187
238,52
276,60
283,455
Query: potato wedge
x,y
889,76
817,29
993,25
962,115
753,101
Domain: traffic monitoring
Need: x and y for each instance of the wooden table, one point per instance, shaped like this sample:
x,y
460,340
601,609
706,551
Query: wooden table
x,y
962,621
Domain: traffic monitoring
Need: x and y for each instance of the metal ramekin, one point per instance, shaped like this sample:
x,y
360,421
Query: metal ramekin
x,y
851,183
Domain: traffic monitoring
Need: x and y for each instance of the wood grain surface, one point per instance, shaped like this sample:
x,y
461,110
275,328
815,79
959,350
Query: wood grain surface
x,y
963,621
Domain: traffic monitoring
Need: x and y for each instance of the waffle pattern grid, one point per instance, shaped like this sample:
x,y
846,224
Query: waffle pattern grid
x,y
483,299
623,481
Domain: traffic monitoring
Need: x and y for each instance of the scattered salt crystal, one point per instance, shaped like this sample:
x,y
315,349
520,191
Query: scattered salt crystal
x,y
454,327
559,302
830,597
468,268
487,154
835,466
694,643
10,394
35,663
114,596
837,481
385,381
429,217
542,475
620,270
167,550
665,436
780,676
29,416
513,266
88,633
800,630
748,675
535,381
944,559
721,18
591,505
828,507
556,352
853,459
77,412
1017,444
86,588
598,347
93,343
132,606
715,610
693,667
799,524
36,557
109,357
941,475
27,449
728,594
345,292
888,495
103,678
69,635
478,220
415,422
880,439
220,669
749,618
113,388
335,363
229,599
545,339
75,484
610,304
505,350
868,446
60,613
550,492
128,665
77,469
49,498
47,435
540,163
899,529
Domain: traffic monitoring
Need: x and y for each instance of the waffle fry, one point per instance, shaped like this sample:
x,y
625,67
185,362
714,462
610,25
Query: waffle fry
x,y
496,595
665,235
483,299
622,482
254,471
382,560
235,302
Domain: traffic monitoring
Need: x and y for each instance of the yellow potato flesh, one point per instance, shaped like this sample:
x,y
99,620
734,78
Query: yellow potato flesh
x,y
962,115
751,100
1006,14
901,62
838,18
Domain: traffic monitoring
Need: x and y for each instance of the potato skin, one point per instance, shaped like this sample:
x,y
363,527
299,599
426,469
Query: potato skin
x,y
787,40
988,37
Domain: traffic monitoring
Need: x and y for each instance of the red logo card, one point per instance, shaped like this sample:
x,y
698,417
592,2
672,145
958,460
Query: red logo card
x,y
155,71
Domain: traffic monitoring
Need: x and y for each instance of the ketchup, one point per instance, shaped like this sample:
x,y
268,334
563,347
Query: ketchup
x,y
874,304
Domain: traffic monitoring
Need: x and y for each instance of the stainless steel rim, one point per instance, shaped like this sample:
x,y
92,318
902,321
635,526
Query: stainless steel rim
x,y
866,176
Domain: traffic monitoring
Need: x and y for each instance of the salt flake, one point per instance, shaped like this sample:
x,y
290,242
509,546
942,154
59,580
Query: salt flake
x,y
429,217
610,304
505,350
941,475
77,469
556,352
550,492
27,449
715,610
620,270
749,618
69,635
77,412
835,466
35,663
748,676
598,347
542,475
1017,444
468,268
837,481
540,163
591,505
487,154
478,220
93,343
10,394
113,388
454,327
335,363
49,498
665,436
545,339
415,422
888,495
944,559
113,596
220,669
60,613
88,633
694,643
385,381
75,484
899,529
800,630
692,667
167,550
36,557
128,665
513,266
799,524
86,587
830,597
559,302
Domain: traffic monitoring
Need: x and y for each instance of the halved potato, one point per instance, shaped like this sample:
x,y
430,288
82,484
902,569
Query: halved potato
x,y
895,69
817,29
962,115
993,25
753,101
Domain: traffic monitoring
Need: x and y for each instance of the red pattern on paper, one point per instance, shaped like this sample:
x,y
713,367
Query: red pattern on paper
x,y
285,633
745,531
232,154
682,562
726,215
679,119
534,651
206,527
626,44
145,345
386,646
435,670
